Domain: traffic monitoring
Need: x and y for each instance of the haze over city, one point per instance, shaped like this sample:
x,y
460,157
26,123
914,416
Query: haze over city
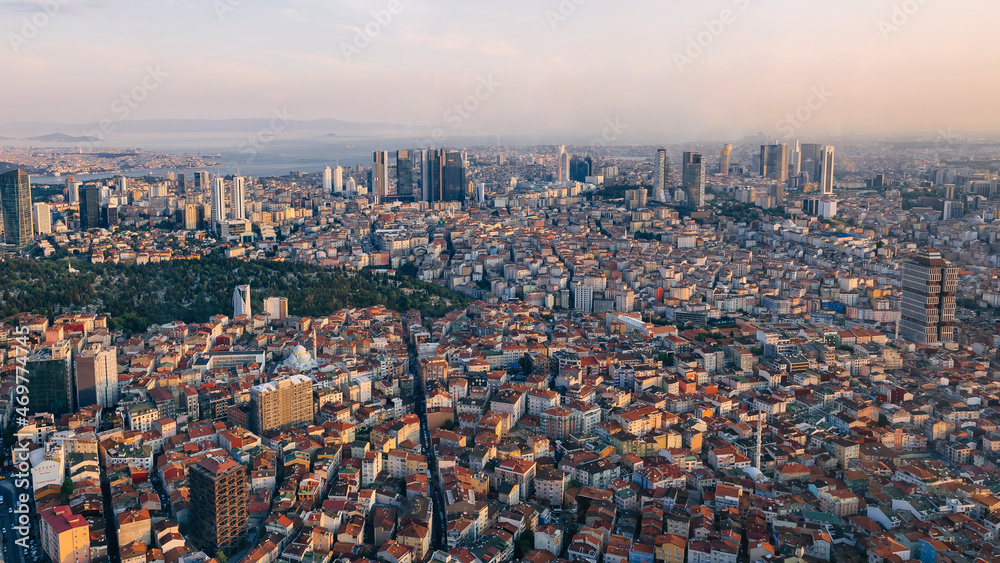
x,y
671,70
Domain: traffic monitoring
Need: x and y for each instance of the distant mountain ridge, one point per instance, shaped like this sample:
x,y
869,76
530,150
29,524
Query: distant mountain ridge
x,y
163,126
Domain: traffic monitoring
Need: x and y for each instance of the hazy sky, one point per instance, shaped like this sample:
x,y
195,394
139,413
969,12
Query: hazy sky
x,y
558,67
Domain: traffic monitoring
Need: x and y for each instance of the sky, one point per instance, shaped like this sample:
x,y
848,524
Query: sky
x,y
588,70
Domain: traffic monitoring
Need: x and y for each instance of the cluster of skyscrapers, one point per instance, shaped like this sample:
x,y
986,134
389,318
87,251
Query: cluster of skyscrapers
x,y
799,164
444,176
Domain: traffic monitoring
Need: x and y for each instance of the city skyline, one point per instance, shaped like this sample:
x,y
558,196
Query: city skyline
x,y
345,59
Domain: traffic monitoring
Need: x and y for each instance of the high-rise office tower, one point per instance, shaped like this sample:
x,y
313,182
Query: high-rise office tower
x,y
433,175
241,301
97,376
201,181
15,196
380,176
694,179
928,307
338,179
281,403
218,202
90,207
327,180
238,198
50,380
109,216
580,168
949,190
826,157
120,184
810,160
455,176
560,158
42,217
73,190
724,158
795,162
661,176
181,182
219,494
404,174
774,162
190,216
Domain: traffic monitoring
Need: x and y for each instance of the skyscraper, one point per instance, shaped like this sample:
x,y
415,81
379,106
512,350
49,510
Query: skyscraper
x,y
928,307
218,202
455,178
724,158
219,495
774,162
97,376
15,196
795,164
661,176
281,403
404,174
810,160
237,198
338,179
580,168
433,175
694,179
73,190
563,164
826,157
241,301
50,380
327,180
201,181
42,217
181,182
380,176
120,184
90,207
190,216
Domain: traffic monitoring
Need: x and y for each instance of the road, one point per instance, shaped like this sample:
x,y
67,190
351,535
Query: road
x,y
438,534
12,553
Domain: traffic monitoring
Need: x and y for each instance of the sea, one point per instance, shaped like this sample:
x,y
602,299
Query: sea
x,y
250,155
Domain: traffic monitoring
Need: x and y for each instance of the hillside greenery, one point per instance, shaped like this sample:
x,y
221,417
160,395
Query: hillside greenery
x,y
191,291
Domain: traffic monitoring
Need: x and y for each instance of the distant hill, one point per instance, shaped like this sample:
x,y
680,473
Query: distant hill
x,y
62,138
166,126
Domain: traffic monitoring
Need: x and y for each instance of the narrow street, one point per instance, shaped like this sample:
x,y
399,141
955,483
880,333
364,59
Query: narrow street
x,y
438,533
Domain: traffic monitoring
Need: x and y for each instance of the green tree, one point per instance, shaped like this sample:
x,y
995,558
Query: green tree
x,y
221,557
67,487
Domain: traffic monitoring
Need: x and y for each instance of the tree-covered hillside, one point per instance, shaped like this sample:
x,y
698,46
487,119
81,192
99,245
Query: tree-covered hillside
x,y
193,290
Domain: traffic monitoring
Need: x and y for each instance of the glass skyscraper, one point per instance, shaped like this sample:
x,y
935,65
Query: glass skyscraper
x,y
15,196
